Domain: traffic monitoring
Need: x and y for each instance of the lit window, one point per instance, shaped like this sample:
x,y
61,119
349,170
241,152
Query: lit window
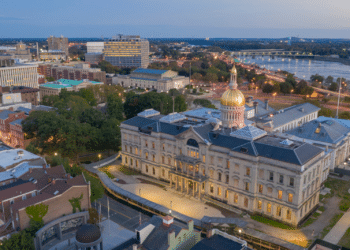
x,y
219,191
203,158
136,151
260,188
163,146
247,186
280,194
290,197
289,215
226,194
235,198
228,164
153,145
146,155
278,211
268,208
211,188
146,143
259,204
248,171
235,183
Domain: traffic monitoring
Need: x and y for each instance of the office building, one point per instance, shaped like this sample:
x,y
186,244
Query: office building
x,y
218,153
58,43
127,51
19,75
94,47
93,58
161,80
53,55
78,72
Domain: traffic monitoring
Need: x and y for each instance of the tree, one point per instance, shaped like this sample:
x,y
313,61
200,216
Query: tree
x,y
325,112
204,103
344,115
286,88
180,104
115,107
303,89
110,134
317,78
329,79
50,79
290,79
76,203
210,77
88,95
333,87
37,212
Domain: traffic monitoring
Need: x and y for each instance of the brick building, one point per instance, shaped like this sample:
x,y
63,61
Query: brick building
x,y
78,72
50,186
31,95
44,69
11,128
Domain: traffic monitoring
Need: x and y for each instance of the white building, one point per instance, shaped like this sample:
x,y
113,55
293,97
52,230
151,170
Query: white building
x,y
218,156
95,47
19,75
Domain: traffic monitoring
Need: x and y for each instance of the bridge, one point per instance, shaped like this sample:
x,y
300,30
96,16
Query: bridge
x,y
268,52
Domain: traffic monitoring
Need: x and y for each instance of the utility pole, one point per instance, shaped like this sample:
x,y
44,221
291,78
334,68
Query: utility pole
x,y
190,72
109,222
338,97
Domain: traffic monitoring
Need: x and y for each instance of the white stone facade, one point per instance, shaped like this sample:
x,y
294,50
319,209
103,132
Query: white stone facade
x,y
19,75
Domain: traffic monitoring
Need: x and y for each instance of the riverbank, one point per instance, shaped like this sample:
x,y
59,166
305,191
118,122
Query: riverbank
x,y
319,58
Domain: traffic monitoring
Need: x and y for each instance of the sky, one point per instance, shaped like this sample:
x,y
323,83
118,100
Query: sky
x,y
175,18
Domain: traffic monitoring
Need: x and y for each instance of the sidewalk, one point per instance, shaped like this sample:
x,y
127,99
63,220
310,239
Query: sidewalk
x,y
339,229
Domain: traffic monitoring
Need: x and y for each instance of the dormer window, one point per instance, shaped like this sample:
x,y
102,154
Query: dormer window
x,y
318,130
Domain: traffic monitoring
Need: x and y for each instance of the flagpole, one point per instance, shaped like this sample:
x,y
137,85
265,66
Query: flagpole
x,y
109,223
338,97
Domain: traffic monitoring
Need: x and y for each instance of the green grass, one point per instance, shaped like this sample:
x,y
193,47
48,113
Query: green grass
x,y
322,209
345,240
271,222
309,222
128,171
105,170
331,224
339,188
97,189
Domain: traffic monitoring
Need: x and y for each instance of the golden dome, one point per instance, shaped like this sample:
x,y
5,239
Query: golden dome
x,y
234,70
233,97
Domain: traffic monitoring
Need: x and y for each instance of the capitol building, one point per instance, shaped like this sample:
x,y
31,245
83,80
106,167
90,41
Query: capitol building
x,y
236,158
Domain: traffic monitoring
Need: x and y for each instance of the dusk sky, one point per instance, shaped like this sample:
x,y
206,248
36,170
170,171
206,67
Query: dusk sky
x,y
180,18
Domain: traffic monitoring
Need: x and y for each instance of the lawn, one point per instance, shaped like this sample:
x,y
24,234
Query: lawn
x,y
271,222
97,189
339,188
105,170
331,224
128,171
345,240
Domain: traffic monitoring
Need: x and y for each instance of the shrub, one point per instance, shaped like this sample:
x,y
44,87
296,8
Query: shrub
x,y
271,222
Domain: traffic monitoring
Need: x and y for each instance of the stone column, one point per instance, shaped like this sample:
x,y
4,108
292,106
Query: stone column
x,y
200,190
194,187
188,169
194,171
188,186
176,182
182,184
171,181
59,231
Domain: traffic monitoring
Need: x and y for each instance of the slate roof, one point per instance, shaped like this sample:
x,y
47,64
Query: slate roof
x,y
329,131
287,115
5,114
139,121
158,238
150,71
25,110
217,242
344,122
261,108
17,122
249,132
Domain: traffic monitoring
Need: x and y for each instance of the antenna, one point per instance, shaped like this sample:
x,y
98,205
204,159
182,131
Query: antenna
x,y
338,97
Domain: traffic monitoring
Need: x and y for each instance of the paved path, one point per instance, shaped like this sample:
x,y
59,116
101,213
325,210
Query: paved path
x,y
339,229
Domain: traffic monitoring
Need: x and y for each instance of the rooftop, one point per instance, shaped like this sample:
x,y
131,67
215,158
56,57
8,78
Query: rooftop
x,y
150,71
65,83
217,242
12,157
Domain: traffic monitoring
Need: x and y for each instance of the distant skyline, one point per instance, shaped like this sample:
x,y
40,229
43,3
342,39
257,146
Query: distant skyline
x,y
181,18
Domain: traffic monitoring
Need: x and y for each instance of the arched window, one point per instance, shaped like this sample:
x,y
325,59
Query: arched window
x,y
192,143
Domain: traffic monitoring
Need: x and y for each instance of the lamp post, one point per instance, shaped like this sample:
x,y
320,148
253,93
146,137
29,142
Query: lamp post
x,y
99,158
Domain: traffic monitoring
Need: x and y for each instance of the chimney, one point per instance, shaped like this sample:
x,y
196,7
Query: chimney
x,y
267,104
11,108
44,166
209,233
53,181
30,170
68,176
168,220
134,247
171,238
256,107
190,225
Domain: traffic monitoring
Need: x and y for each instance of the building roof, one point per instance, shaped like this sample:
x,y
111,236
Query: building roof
x,y
18,171
287,115
158,238
12,157
344,122
88,233
249,133
217,242
261,108
5,114
150,71
65,83
17,122
15,189
25,110
329,131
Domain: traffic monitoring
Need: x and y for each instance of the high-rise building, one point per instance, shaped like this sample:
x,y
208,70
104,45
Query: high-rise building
x,y
127,51
58,43
94,47
19,75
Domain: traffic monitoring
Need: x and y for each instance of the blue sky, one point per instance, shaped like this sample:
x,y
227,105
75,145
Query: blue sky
x,y
180,18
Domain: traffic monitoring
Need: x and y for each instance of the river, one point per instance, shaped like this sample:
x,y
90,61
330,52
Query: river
x,y
302,68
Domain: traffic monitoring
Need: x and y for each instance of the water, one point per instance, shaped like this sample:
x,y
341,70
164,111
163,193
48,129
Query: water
x,y
302,68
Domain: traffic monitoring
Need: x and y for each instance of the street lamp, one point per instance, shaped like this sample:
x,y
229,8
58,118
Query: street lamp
x,y
55,154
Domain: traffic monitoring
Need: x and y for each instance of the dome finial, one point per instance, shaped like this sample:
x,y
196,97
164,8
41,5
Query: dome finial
x,y
233,79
